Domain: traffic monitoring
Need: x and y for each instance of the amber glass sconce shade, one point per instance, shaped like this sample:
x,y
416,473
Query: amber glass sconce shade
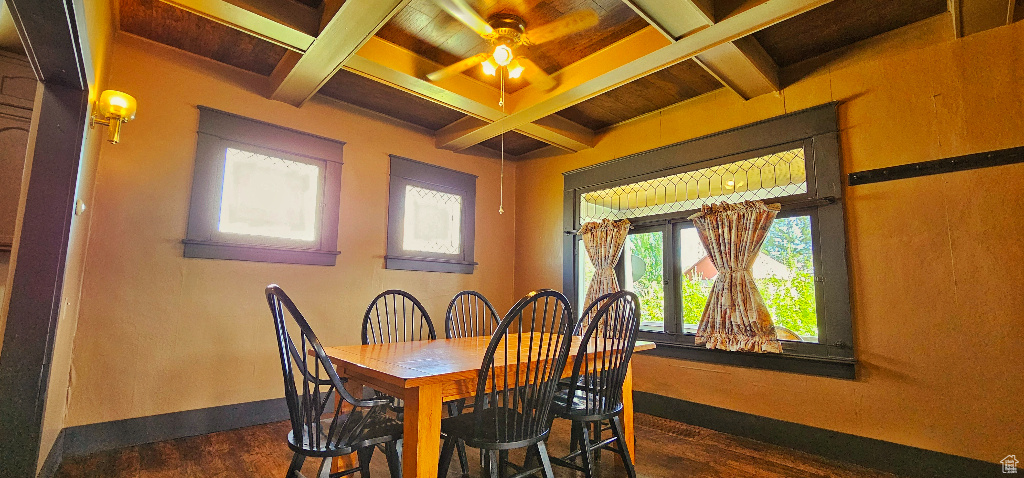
x,y
112,110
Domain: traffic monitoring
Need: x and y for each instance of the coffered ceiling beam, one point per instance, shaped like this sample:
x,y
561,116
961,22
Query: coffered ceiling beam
x,y
300,75
742,65
578,82
973,16
403,69
288,24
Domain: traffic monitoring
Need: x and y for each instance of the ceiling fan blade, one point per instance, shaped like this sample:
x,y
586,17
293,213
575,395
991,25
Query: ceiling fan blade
x,y
465,14
456,68
571,23
535,75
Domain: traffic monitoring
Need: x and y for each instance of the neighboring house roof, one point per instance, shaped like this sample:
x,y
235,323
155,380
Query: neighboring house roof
x,y
764,267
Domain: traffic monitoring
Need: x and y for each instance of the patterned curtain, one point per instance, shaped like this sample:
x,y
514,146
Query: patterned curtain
x,y
735,317
604,241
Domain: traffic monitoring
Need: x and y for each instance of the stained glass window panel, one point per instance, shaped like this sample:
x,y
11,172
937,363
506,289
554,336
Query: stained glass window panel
x,y
433,221
765,177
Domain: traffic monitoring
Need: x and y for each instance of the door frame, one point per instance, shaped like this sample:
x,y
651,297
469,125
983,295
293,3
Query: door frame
x,y
53,34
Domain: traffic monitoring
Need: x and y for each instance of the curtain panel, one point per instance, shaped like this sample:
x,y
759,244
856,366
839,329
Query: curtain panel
x,y
604,241
735,317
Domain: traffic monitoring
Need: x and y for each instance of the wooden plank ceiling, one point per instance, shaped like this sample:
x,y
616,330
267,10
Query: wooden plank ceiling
x,y
841,23
428,32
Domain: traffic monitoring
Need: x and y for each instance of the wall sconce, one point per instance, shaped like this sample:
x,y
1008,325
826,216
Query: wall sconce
x,y
113,109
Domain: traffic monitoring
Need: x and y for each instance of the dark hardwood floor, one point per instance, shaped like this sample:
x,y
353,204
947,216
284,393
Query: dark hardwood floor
x,y
664,449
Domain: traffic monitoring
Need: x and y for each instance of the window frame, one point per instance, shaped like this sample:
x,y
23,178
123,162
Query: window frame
x,y
218,131
409,172
816,129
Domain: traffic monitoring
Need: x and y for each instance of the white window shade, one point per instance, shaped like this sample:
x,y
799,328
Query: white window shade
x,y
269,197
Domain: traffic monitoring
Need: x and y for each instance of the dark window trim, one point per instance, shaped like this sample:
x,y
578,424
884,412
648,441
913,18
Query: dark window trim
x,y
817,129
219,130
405,171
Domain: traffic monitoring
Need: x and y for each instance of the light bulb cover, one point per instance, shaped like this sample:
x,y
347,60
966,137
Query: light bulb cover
x,y
490,67
117,105
515,69
502,55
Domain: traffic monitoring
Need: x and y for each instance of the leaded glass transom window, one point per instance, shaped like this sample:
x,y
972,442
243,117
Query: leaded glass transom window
x,y
765,177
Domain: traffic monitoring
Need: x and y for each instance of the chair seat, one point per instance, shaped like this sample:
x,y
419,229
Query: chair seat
x,y
463,426
379,428
582,405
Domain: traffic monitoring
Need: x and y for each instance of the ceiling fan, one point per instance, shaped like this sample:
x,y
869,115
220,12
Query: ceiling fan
x,y
507,33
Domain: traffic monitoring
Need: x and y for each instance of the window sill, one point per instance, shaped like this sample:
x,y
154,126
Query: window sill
x,y
834,367
255,253
428,264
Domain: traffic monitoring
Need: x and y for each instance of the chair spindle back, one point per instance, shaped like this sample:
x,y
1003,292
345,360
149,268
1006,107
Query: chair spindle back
x,y
599,368
522,366
309,380
470,314
396,316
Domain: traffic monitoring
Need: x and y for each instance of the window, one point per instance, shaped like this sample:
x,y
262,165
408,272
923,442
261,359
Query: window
x,y
801,268
431,217
263,193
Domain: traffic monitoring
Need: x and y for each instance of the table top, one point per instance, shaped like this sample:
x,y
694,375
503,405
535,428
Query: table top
x,y
412,364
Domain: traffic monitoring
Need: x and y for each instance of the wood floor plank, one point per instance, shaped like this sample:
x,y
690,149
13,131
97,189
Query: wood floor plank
x,y
664,449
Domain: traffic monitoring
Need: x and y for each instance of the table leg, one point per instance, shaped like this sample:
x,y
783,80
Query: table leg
x,y
346,462
421,449
627,412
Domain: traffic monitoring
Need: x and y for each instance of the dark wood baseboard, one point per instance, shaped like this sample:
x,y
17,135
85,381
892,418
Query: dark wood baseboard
x,y
86,439
902,460
53,458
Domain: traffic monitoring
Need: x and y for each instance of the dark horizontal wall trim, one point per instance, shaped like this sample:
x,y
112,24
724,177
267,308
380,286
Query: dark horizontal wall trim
x,y
86,439
902,460
785,362
788,128
966,162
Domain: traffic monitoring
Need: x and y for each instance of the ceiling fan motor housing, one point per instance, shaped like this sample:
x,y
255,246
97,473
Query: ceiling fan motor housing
x,y
508,29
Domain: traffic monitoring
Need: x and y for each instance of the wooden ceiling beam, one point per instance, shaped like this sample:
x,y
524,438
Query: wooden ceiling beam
x,y
611,67
742,65
400,68
288,24
300,75
973,16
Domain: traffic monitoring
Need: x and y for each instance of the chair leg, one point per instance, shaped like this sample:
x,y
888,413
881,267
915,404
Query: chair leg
x,y
596,438
295,469
503,462
325,468
620,437
586,452
545,460
446,456
365,455
492,463
574,436
463,459
393,450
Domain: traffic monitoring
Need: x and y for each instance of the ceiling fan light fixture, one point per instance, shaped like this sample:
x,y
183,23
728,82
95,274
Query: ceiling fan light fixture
x,y
515,69
490,67
502,55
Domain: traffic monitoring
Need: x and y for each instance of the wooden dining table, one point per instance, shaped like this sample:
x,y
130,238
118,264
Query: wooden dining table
x,y
425,374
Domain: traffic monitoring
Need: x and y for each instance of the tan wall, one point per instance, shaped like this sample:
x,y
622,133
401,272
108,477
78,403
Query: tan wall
x,y
99,16
936,263
160,333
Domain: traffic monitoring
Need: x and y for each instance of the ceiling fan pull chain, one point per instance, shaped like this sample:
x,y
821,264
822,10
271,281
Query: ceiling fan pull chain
x,y
501,179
